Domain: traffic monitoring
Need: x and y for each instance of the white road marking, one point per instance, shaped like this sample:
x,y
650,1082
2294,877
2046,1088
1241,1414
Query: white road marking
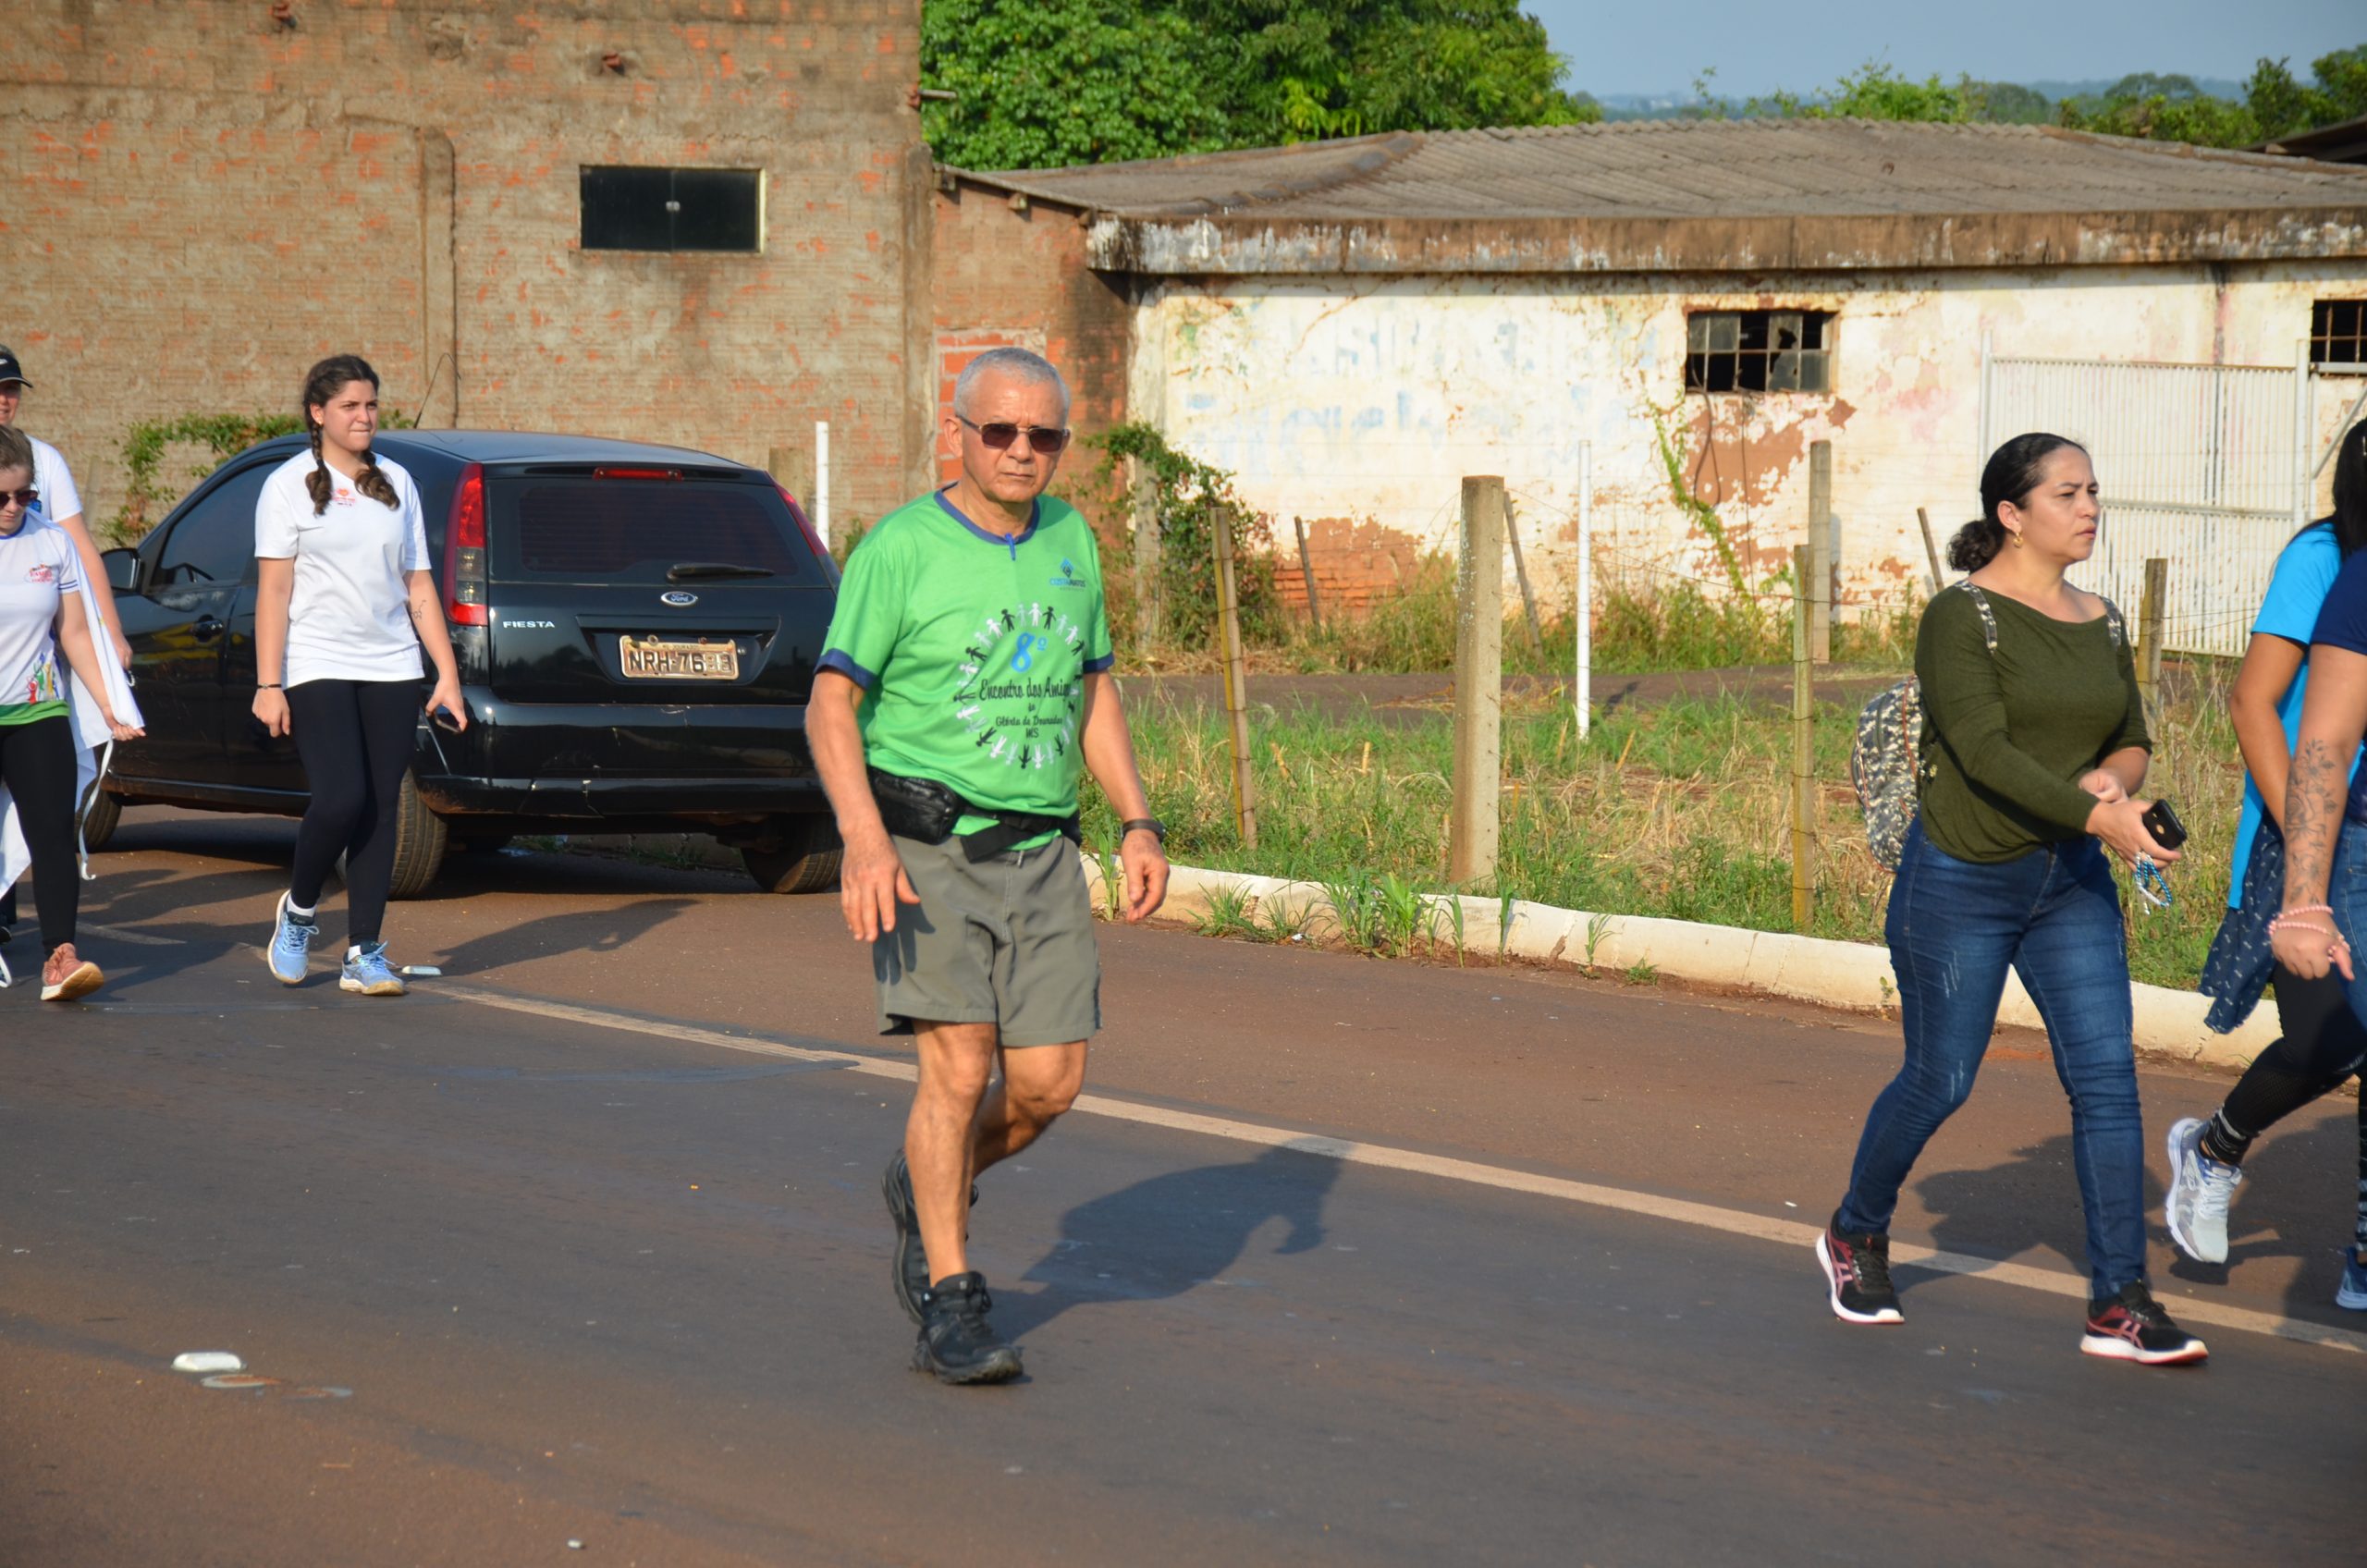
x,y
1733,1223
136,938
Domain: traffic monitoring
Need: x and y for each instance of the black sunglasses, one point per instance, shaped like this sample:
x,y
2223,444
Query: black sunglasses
x,y
27,497
1001,434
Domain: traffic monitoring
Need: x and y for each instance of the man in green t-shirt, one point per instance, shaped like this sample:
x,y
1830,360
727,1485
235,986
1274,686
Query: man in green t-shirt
x,y
964,683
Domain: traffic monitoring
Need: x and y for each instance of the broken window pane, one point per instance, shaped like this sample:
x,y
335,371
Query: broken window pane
x,y
1758,351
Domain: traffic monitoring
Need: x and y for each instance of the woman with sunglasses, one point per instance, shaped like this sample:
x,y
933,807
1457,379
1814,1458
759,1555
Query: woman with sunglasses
x,y
42,615
343,605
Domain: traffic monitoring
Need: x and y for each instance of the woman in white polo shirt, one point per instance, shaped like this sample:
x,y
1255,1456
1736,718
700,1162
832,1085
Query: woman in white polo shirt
x,y
345,605
41,616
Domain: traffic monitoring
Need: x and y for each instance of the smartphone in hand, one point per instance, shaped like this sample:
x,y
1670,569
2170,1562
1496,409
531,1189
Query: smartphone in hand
x,y
2161,821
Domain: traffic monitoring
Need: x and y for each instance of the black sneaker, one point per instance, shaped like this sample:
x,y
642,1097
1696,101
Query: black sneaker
x,y
910,1265
1858,1268
2132,1327
957,1343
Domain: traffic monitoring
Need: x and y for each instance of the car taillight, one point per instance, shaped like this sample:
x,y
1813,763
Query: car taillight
x,y
464,594
636,474
813,540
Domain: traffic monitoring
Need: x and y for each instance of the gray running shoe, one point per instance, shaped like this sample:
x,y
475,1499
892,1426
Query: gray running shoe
x,y
2201,1190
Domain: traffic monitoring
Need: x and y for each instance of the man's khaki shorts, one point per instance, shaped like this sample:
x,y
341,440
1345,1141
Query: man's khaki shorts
x,y
1007,941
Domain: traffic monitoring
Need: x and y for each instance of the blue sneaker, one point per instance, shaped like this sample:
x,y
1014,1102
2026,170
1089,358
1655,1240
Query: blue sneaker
x,y
291,945
2353,1291
366,971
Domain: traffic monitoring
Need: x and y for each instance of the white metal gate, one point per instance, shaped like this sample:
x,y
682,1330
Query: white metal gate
x,y
2207,466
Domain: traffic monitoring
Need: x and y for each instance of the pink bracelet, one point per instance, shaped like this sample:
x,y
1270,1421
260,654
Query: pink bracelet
x,y
2281,925
2310,909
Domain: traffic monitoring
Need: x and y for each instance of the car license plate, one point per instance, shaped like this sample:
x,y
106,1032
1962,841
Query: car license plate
x,y
653,658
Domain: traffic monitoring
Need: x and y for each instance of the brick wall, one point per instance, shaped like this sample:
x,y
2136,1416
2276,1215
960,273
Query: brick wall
x,y
1006,275
196,202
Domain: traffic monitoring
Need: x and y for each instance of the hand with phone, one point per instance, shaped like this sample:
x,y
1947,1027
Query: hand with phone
x,y
2126,827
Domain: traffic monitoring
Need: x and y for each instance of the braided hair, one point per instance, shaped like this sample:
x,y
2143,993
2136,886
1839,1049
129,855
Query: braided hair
x,y
323,382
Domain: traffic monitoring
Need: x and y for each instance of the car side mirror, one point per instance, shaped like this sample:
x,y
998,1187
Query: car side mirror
x,y
123,570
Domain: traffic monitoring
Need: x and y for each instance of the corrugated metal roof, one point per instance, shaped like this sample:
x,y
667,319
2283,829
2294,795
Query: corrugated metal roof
x,y
1725,169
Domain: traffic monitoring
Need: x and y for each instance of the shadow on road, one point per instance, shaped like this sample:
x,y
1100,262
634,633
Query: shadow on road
x,y
2296,1203
1174,1234
591,930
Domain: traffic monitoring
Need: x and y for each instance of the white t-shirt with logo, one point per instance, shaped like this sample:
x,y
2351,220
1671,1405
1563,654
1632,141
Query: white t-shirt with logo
x,y
55,481
349,618
38,568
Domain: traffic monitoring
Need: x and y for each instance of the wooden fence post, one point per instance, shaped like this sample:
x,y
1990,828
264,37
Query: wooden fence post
x,y
1144,487
1930,550
1818,583
1306,574
792,469
1803,749
1520,570
1479,685
2152,607
1236,684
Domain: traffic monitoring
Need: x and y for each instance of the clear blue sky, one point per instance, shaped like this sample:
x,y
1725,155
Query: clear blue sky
x,y
1626,47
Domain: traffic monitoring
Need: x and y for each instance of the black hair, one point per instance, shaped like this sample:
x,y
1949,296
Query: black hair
x,y
2013,470
2349,518
323,382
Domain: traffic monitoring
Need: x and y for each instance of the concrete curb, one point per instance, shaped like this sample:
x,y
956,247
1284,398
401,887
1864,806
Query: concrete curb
x,y
1851,976
1855,976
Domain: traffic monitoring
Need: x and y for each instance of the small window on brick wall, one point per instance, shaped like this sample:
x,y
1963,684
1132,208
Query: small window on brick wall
x,y
629,208
1758,351
2339,332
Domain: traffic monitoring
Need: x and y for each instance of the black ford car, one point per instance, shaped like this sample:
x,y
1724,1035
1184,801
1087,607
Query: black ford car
x,y
636,626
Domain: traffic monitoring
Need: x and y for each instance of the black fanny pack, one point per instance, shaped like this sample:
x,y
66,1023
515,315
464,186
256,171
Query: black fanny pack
x,y
925,810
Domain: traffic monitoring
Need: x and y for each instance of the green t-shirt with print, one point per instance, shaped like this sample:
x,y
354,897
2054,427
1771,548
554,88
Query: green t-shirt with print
x,y
971,649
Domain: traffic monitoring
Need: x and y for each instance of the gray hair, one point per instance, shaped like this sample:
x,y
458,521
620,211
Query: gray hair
x,y
1020,364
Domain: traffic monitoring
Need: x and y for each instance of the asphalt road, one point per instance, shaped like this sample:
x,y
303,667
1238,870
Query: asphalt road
x,y
615,1271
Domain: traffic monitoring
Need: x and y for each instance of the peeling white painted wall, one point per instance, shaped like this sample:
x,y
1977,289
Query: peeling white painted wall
x,y
1369,399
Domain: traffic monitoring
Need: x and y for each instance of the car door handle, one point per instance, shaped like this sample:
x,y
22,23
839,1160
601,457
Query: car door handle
x,y
207,628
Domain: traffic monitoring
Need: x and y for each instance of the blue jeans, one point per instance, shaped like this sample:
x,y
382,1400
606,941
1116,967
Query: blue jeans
x,y
2054,916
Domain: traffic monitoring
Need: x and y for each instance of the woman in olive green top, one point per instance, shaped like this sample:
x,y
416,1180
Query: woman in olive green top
x,y
2033,750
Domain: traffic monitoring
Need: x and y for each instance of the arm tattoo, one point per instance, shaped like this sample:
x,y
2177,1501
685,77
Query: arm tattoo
x,y
2312,809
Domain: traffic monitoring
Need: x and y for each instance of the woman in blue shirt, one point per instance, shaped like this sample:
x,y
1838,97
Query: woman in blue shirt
x,y
2322,1041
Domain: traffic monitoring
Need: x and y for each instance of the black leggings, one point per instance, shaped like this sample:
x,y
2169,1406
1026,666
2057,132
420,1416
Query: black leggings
x,y
37,764
2322,1044
355,738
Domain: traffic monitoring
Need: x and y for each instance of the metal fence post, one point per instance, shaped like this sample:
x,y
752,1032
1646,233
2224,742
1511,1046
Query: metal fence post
x,y
1585,612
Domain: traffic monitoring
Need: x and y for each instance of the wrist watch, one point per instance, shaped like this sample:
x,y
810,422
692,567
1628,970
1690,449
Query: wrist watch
x,y
1150,824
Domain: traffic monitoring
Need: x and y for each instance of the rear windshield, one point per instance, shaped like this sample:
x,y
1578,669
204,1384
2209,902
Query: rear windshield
x,y
576,528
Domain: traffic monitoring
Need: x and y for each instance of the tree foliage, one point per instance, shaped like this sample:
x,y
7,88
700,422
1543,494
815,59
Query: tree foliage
x,y
1875,91
1043,83
2274,104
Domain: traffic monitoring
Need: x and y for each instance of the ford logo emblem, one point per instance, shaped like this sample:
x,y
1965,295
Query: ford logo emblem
x,y
679,599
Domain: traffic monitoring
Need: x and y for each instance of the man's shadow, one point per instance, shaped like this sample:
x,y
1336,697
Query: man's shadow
x,y
1171,1234
2298,1201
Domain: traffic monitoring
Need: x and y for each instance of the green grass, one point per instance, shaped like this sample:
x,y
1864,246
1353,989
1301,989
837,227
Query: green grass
x,y
1678,810
1680,628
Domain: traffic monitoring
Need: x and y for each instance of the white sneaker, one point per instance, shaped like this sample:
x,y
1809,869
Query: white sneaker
x,y
2201,1190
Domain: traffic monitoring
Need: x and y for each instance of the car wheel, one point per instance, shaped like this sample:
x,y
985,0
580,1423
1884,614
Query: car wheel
x,y
806,862
98,822
421,838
